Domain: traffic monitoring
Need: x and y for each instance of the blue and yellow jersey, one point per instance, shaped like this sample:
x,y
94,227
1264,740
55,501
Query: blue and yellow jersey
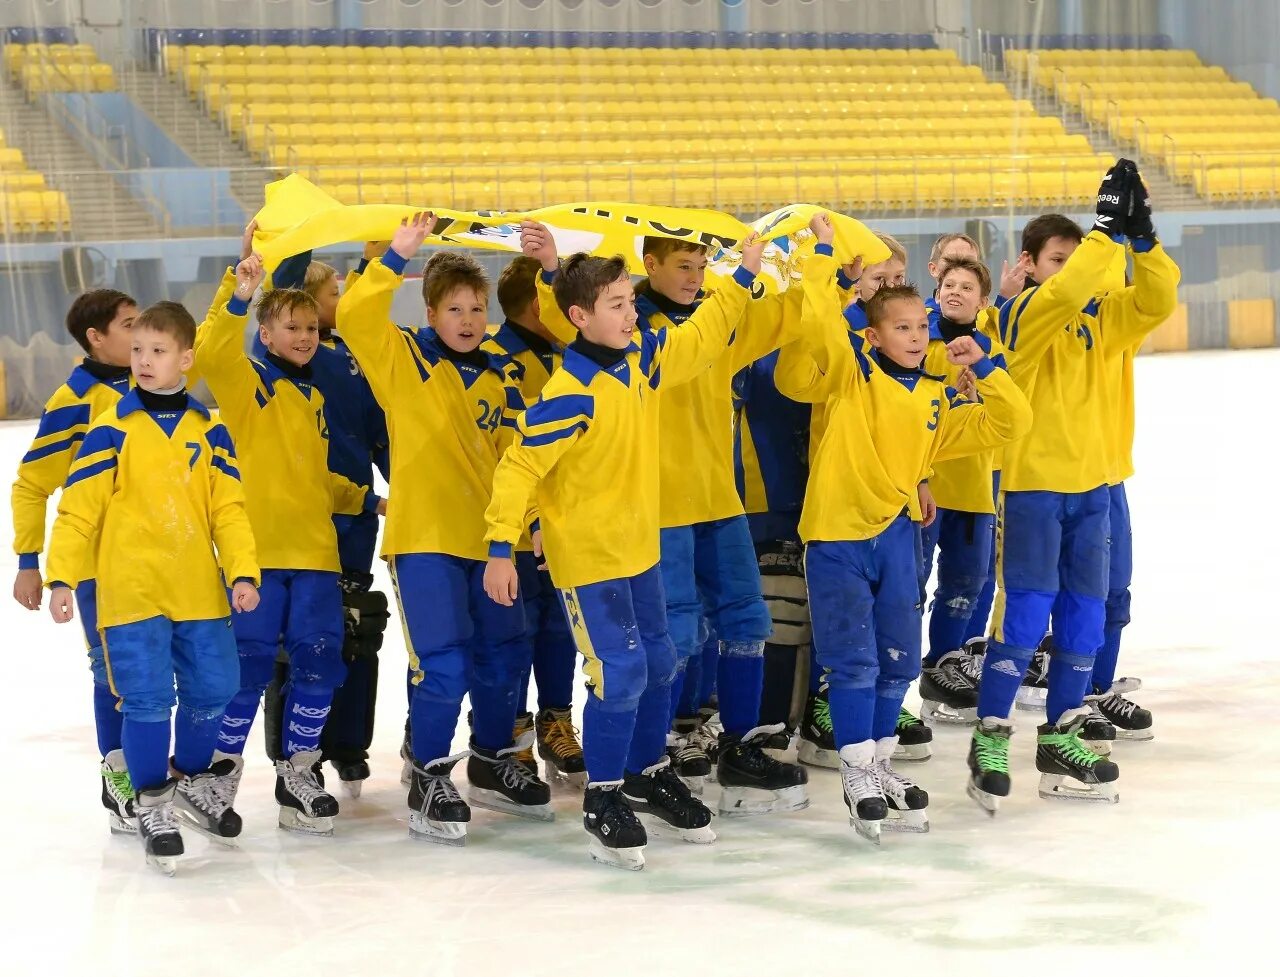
x,y
886,426
91,389
532,358
450,416
159,490
1059,342
276,416
588,450
696,460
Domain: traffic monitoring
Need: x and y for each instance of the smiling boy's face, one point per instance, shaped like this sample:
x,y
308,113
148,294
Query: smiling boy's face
x,y
460,318
293,335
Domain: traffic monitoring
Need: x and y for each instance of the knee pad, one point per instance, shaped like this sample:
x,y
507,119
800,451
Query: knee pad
x,y
257,666
1079,623
151,706
785,596
1118,605
365,616
317,661
625,680
444,677
98,666
897,665
1079,662
850,676
1025,618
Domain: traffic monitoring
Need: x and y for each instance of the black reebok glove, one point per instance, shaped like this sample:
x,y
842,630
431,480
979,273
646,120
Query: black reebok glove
x,y
1139,223
1115,198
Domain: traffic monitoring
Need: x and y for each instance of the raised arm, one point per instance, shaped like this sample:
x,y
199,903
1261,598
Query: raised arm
x,y
220,355
536,242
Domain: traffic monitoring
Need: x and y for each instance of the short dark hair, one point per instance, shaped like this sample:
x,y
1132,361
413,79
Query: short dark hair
x,y
449,270
660,247
282,301
94,310
583,278
1040,229
976,268
517,285
878,303
170,318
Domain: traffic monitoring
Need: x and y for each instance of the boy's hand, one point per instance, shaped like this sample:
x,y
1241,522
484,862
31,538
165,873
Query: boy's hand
x,y
244,597
752,252
822,227
537,548
374,250
410,234
27,589
500,580
1139,224
967,384
853,270
964,351
536,241
1115,198
1014,280
61,605
382,507
246,240
249,275
928,508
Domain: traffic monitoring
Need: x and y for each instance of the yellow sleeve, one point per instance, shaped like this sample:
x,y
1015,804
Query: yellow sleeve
x,y
822,362
364,321
1004,415
1127,316
543,434
226,288
1031,322
512,410
43,470
228,521
223,363
349,499
549,312
83,506
687,350
766,328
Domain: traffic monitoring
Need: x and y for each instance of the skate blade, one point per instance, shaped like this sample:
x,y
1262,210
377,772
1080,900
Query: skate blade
x,y
990,803
406,773
696,785
121,826
451,833
938,712
907,822
916,752
554,775
1056,786
815,756
631,859
491,800
1030,698
299,823
165,864
1134,735
870,830
656,827
352,788
737,802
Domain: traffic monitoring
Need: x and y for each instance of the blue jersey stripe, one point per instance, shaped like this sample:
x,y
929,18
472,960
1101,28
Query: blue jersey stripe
x,y
97,468
550,437
226,467
44,451
62,419
561,408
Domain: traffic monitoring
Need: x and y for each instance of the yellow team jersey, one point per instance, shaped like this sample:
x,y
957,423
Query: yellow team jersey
x,y
276,419
1060,344
533,359
589,448
964,484
886,427
91,389
695,459
1119,368
449,417
160,490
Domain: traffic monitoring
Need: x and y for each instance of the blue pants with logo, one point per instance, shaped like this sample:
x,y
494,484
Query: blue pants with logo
x,y
1053,563
1119,578
107,718
964,541
864,599
548,629
620,628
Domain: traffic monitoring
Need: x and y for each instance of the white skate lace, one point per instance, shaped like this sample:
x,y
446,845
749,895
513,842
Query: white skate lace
x,y
205,794
439,790
512,772
687,750
705,738
157,820
862,782
1119,704
303,785
971,669
892,782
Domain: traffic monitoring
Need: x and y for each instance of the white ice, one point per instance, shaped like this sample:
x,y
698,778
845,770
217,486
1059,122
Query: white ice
x,y
1175,878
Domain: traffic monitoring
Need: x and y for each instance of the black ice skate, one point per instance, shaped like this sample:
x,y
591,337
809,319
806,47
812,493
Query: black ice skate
x,y
305,806
1035,684
817,737
1097,733
1130,720
688,754
949,689
1068,768
117,795
666,802
863,792
560,749
204,801
617,836
406,759
523,725
914,738
158,828
437,812
907,803
752,782
989,763
351,775
500,782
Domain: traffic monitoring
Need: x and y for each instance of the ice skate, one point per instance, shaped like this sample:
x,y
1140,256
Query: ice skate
x,y
351,776
1035,684
705,736
500,782
949,689
863,792
437,812
914,738
524,724
1097,734
688,754
305,806
667,805
1070,769
117,795
560,749
907,803
1130,720
989,763
976,648
158,828
617,836
406,761
204,801
752,782
817,739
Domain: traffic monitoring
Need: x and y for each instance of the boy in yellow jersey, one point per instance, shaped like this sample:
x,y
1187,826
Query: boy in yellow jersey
x,y
1054,506
276,416
888,423
708,560
100,321
532,355
450,413
588,455
155,489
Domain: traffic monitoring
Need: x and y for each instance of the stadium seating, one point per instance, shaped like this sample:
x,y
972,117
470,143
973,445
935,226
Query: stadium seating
x,y
41,67
27,206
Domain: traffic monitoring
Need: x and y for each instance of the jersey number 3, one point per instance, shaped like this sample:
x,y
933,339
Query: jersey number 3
x,y
933,421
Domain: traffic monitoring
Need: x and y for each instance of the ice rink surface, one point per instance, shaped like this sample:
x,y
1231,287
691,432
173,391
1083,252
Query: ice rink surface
x,y
1177,878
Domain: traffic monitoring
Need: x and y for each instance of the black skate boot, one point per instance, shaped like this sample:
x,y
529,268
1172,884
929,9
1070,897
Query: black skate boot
x,y
688,755
989,763
117,795
913,738
863,792
437,812
351,775
204,801
976,648
406,759
1130,720
817,737
662,796
158,828
1035,684
617,836
949,689
500,782
559,747
305,806
752,782
907,803
523,725
1097,733
1068,768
